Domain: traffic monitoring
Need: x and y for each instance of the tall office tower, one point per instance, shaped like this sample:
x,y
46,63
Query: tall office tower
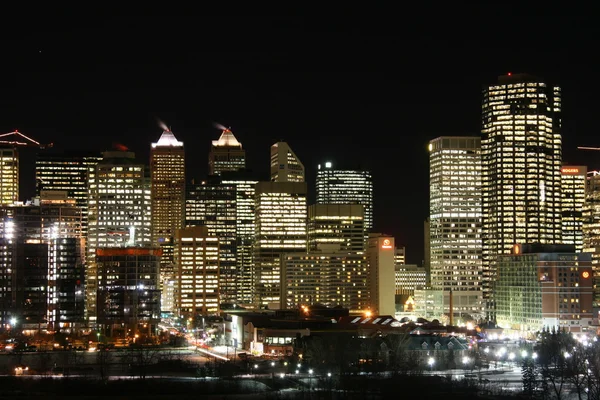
x,y
41,268
128,291
340,224
340,186
197,272
66,172
9,175
455,222
573,186
400,256
213,204
245,202
381,274
167,176
591,229
285,165
521,155
226,154
118,212
280,228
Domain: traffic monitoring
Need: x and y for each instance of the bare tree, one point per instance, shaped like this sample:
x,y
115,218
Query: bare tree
x,y
141,358
554,351
103,359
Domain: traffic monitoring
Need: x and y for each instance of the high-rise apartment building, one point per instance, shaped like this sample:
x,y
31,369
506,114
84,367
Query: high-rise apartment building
x,y
9,175
573,186
521,155
245,202
67,172
213,204
455,222
226,154
128,291
327,276
285,165
167,176
341,186
197,272
339,224
281,213
119,210
41,266
544,287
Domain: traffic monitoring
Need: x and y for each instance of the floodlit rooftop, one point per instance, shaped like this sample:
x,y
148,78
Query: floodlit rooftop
x,y
167,139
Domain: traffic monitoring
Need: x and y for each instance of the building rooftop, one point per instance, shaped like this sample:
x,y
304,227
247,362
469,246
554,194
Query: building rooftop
x,y
226,140
167,139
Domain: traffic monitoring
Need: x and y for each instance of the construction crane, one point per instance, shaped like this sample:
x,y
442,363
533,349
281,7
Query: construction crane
x,y
15,138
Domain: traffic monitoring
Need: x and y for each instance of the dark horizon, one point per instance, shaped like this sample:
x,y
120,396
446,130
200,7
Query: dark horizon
x,y
367,90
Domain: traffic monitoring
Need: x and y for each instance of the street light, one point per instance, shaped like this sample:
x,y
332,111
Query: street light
x,y
524,354
13,322
431,361
534,356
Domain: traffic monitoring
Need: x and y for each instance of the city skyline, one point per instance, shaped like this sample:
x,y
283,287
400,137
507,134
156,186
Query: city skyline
x,y
339,91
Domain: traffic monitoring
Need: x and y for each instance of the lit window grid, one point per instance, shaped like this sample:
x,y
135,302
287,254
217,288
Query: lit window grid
x,y
119,198
572,201
9,176
521,184
167,168
245,230
346,187
280,228
455,224
198,288
334,224
328,279
214,206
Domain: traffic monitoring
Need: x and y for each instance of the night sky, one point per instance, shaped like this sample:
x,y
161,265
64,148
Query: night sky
x,y
357,91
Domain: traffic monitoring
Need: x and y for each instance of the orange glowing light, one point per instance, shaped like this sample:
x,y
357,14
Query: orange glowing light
x,y
387,244
585,274
517,249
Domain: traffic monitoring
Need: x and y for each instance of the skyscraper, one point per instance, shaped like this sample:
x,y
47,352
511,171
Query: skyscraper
x,y
167,172
341,186
573,185
280,228
226,154
285,165
212,204
9,175
67,172
119,211
245,204
455,222
521,155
